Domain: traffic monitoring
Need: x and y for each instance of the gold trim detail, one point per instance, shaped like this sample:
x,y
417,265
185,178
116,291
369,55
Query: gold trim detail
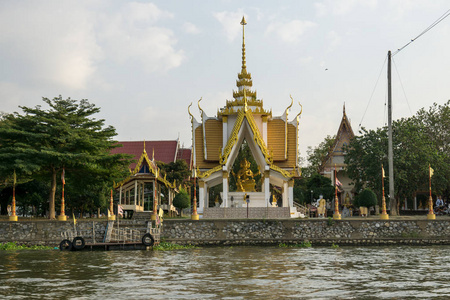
x,y
154,170
280,170
233,138
209,172
256,137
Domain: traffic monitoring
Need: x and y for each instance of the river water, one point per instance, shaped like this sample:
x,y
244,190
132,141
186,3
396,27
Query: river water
x,y
398,272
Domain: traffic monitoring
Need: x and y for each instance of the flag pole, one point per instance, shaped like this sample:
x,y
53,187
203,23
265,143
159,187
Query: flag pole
x,y
194,215
62,216
111,216
431,215
384,215
336,215
13,216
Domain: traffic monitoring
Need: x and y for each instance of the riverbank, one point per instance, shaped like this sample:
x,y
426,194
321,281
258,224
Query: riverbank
x,y
409,230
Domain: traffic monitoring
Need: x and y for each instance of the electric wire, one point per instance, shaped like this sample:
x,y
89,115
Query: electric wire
x,y
401,84
373,91
445,15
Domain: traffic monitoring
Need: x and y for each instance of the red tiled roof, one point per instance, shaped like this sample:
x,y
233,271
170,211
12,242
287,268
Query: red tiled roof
x,y
185,154
165,151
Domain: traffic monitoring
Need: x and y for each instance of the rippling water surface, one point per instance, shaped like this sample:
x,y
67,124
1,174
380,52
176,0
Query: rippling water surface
x,y
229,273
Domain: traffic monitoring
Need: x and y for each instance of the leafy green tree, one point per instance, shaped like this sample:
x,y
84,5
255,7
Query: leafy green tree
x,y
41,142
316,156
320,185
416,145
182,200
366,198
177,171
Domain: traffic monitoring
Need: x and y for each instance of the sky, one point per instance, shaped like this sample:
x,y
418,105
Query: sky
x,y
144,62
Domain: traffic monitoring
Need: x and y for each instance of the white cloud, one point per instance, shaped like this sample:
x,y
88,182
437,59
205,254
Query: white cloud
x,y
49,43
61,44
291,31
231,22
131,35
342,7
305,60
334,40
190,28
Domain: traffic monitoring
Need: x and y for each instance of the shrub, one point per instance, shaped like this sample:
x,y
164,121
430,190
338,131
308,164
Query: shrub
x,y
366,198
182,200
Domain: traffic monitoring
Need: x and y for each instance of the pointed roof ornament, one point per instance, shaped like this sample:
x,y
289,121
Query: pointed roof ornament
x,y
153,155
144,148
245,100
244,67
344,108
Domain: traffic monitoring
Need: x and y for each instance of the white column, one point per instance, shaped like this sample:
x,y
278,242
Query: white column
x,y
201,196
291,193
225,188
267,188
285,194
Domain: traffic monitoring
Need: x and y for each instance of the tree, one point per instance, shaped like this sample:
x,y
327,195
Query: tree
x,y
320,185
182,200
42,142
415,145
317,155
177,171
366,198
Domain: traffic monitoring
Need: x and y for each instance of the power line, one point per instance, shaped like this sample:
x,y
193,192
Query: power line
x,y
373,91
445,15
401,84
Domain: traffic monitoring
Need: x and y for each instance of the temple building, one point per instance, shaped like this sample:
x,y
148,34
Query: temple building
x,y
335,159
146,181
273,141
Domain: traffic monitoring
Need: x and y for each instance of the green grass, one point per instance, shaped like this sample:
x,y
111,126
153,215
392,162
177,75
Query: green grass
x,y
165,246
14,246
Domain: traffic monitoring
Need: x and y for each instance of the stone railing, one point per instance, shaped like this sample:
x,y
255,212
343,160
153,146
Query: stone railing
x,y
241,213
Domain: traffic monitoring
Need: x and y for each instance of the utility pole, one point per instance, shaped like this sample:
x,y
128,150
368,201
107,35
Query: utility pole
x,y
392,201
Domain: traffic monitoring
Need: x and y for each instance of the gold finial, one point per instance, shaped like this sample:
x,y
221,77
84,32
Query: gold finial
x,y
244,68
245,101
153,154
189,111
301,110
344,108
243,22
287,108
144,147
201,110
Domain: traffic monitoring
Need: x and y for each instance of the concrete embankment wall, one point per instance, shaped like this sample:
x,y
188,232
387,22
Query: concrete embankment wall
x,y
48,232
249,232
317,231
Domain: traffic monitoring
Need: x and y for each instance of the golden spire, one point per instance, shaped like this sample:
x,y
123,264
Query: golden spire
x,y
245,97
153,154
144,147
244,67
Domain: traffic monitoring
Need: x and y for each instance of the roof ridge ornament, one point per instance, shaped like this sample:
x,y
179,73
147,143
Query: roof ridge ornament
x,y
144,147
190,114
245,101
198,104
244,67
